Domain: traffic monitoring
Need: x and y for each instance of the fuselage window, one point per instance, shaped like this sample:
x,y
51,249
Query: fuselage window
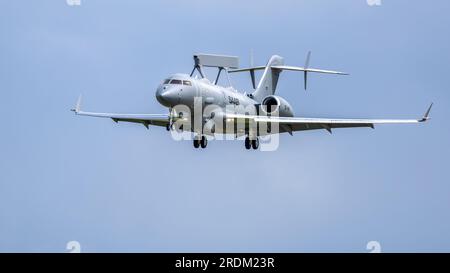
x,y
187,83
175,82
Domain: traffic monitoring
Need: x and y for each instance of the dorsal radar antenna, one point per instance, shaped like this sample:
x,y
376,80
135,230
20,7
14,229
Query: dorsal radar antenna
x,y
222,62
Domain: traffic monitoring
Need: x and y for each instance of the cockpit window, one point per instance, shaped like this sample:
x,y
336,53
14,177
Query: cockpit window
x,y
187,83
166,81
175,82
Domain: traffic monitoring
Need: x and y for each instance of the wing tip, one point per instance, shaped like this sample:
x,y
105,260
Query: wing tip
x,y
77,106
426,116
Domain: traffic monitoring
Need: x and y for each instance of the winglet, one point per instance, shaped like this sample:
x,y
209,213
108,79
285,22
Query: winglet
x,y
427,113
77,106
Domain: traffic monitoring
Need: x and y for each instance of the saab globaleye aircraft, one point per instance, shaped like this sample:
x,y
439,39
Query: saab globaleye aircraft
x,y
240,114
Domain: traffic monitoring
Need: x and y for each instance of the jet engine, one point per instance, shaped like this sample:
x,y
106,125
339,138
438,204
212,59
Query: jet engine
x,y
275,105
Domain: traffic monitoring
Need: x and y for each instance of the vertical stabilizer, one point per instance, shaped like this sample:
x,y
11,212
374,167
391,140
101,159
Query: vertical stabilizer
x,y
268,83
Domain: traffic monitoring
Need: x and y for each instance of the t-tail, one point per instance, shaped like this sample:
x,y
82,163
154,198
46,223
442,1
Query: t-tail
x,y
268,83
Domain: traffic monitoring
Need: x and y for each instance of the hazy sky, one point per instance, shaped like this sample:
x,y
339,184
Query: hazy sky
x,y
118,187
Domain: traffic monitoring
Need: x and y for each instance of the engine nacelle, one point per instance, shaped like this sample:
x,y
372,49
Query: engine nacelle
x,y
275,105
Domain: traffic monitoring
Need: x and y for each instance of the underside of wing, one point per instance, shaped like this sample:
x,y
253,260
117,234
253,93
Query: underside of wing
x,y
291,124
289,128
144,119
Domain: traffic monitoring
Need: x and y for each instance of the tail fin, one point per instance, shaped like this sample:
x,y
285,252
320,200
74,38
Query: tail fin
x,y
269,79
272,70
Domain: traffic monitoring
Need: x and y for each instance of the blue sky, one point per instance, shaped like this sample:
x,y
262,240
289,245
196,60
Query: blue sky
x,y
118,187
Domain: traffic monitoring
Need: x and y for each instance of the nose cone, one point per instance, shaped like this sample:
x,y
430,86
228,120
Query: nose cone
x,y
167,96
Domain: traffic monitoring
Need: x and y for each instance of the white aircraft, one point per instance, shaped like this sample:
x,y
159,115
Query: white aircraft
x,y
252,115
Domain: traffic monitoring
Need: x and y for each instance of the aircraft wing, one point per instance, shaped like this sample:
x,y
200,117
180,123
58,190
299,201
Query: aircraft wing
x,y
291,124
144,119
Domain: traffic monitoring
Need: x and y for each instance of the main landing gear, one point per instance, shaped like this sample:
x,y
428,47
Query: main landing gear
x,y
202,142
254,143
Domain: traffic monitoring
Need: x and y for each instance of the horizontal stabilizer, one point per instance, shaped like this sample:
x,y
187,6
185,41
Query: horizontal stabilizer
x,y
247,69
298,68
306,69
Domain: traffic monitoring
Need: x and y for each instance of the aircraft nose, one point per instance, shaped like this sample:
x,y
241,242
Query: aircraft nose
x,y
167,97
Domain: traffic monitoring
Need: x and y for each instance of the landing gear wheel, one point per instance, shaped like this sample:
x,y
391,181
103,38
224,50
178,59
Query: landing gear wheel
x,y
196,143
248,145
203,142
168,127
255,143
